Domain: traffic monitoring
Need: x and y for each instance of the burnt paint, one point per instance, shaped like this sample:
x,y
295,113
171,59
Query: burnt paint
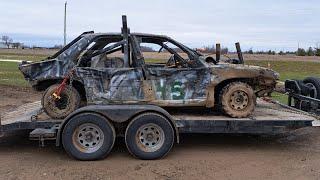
x,y
147,84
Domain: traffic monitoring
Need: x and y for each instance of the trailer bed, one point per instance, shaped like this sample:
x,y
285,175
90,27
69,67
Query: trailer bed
x,y
267,118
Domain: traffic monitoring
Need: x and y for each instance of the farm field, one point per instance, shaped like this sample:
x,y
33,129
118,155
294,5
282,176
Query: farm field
x,y
10,75
289,66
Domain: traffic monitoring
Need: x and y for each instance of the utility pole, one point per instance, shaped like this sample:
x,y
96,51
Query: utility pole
x,y
65,24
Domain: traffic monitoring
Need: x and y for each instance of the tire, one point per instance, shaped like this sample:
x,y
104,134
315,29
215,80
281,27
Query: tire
x,y
59,109
314,84
237,100
155,127
88,137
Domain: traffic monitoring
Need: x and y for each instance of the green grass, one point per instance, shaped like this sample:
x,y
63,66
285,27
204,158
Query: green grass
x,y
27,57
10,75
289,70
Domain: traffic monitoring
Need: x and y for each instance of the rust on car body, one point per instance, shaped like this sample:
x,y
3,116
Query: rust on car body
x,y
129,79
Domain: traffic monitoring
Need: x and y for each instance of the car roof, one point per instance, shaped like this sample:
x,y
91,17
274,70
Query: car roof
x,y
120,34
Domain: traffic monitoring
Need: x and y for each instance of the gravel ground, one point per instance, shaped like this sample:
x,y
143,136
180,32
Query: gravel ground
x,y
290,156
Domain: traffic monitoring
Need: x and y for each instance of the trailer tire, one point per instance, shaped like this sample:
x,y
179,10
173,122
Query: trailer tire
x,y
88,137
149,136
314,84
237,99
59,109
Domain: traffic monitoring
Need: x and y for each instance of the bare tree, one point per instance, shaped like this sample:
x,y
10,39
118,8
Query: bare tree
x,y
7,41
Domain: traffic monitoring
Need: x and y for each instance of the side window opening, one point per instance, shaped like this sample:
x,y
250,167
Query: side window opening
x,y
159,52
154,53
103,53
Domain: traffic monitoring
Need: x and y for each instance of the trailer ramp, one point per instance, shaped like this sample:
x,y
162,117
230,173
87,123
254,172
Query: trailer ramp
x,y
27,116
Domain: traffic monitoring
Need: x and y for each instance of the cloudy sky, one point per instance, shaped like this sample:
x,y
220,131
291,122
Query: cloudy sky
x,y
272,24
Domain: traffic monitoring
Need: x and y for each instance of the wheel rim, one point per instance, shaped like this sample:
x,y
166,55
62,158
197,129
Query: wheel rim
x,y
314,93
239,100
150,137
88,138
63,102
59,105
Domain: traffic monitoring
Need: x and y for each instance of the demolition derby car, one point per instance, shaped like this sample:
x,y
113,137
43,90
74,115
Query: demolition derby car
x,y
114,68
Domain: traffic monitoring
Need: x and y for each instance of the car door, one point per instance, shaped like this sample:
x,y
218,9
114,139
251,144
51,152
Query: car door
x,y
182,86
109,81
175,86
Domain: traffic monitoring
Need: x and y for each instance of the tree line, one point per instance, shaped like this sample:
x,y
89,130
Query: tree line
x,y
8,42
300,52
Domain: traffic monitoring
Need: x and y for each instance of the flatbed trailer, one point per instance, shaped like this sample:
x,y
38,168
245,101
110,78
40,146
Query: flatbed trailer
x,y
268,118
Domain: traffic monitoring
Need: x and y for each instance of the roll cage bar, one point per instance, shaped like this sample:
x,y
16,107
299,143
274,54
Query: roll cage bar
x,y
70,44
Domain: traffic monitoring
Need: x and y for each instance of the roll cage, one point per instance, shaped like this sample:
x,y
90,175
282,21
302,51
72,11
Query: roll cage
x,y
128,43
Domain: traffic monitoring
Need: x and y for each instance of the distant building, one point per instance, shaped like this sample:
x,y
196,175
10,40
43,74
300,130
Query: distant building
x,y
2,45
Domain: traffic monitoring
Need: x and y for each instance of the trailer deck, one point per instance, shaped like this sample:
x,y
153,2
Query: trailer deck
x,y
267,118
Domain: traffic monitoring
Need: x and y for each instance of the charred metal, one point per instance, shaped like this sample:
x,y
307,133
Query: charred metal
x,y
128,78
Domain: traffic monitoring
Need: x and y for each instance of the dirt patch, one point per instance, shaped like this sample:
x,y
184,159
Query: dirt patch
x,y
291,156
294,156
12,97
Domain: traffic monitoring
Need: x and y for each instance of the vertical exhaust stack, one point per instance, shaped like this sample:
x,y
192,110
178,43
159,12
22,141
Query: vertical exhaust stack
x,y
218,52
125,34
239,52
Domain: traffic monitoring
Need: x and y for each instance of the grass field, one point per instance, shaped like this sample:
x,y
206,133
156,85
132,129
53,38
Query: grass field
x,y
290,70
27,57
10,74
295,69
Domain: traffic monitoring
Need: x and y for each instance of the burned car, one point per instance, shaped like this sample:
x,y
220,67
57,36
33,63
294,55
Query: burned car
x,y
113,68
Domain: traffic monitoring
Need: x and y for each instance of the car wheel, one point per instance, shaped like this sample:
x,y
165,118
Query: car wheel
x,y
237,100
314,85
149,136
60,108
88,137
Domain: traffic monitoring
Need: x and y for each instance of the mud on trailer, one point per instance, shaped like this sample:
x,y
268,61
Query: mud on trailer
x,y
150,131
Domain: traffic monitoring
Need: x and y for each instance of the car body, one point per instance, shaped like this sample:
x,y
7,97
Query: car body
x,y
185,80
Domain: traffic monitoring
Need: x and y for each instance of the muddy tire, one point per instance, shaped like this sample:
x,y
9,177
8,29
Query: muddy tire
x,y
59,109
314,84
88,137
237,100
149,136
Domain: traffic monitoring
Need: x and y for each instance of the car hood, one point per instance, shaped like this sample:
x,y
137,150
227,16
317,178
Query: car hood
x,y
225,70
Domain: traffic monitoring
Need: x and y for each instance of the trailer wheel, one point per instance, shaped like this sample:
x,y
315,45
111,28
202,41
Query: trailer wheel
x,y
149,136
237,100
88,137
314,85
59,109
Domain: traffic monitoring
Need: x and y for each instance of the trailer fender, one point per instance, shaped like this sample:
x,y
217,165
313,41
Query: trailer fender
x,y
117,114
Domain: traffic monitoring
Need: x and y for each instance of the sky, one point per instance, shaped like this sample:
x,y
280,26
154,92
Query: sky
x,y
260,25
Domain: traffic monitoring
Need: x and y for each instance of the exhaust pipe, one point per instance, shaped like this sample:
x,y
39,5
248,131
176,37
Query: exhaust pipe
x,y
239,52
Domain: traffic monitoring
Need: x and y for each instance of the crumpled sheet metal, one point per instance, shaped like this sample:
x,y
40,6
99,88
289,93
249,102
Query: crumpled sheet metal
x,y
161,86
